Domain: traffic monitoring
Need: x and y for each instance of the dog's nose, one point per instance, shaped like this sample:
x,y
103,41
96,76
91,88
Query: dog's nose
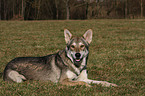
x,y
78,55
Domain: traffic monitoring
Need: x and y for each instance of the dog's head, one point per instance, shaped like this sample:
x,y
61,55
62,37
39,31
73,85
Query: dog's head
x,y
77,47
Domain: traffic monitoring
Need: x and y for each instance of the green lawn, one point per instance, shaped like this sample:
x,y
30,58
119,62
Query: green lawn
x,y
117,55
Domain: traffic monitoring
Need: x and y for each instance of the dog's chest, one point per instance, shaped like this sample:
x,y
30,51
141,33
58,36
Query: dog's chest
x,y
71,75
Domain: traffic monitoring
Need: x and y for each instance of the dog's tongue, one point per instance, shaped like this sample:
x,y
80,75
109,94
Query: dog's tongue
x,y
77,60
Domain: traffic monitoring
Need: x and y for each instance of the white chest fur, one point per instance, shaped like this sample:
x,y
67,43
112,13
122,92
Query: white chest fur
x,y
71,75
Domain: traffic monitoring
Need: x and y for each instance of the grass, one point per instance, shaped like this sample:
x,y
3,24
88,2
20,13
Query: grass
x,y
117,55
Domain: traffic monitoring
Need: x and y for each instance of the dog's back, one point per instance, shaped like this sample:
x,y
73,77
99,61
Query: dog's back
x,y
32,68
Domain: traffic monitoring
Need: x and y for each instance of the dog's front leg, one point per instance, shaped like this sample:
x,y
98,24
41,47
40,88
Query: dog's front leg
x,y
84,77
74,83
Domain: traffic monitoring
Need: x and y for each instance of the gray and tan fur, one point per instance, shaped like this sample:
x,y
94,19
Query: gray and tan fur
x,y
68,66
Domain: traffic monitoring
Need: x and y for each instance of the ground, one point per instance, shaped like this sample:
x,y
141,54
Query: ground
x,y
117,55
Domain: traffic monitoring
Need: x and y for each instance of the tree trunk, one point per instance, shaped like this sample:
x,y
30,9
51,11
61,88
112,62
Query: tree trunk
x,y
5,10
87,5
38,13
13,9
0,10
126,8
67,10
22,9
141,5
56,5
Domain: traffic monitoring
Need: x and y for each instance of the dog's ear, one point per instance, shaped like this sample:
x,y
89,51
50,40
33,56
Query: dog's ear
x,y
88,35
67,35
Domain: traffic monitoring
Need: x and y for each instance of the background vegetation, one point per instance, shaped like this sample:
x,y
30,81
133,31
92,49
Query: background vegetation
x,y
116,55
70,9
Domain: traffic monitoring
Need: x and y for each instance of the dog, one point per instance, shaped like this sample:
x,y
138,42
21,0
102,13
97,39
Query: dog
x,y
68,66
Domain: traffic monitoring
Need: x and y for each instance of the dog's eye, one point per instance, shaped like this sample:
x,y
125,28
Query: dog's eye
x,y
72,46
82,46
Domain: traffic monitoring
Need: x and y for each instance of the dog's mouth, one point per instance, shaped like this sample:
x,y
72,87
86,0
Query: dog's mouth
x,y
77,62
77,59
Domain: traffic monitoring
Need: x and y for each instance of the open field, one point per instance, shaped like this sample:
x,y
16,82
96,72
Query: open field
x,y
117,55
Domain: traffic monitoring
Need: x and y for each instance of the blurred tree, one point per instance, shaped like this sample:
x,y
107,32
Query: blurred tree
x,y
70,9
67,9
126,8
0,9
141,7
